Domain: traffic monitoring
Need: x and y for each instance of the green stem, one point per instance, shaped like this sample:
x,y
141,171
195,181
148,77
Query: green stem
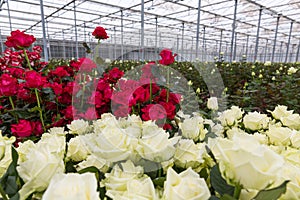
x,y
40,109
3,194
237,191
27,59
11,102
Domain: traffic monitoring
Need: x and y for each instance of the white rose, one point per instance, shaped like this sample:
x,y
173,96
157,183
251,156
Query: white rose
x,y
212,103
78,127
291,155
186,185
116,181
41,165
57,131
245,161
77,150
231,117
94,161
188,154
281,111
193,128
295,139
279,135
107,119
112,144
24,148
291,173
6,144
291,121
139,189
156,146
54,143
292,70
256,121
72,186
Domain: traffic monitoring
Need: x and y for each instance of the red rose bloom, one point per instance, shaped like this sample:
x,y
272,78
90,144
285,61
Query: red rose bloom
x,y
22,129
153,112
86,65
100,33
37,128
34,79
8,85
19,40
166,57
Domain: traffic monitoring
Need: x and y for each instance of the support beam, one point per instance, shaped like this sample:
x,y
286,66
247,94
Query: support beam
x,y
247,44
234,49
203,46
156,30
44,32
233,30
220,45
115,44
75,26
182,39
198,27
298,51
280,51
257,33
64,45
122,36
266,47
289,41
276,31
142,30
2,46
9,18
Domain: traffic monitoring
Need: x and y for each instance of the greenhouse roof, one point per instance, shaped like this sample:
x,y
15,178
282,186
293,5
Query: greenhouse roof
x,y
170,20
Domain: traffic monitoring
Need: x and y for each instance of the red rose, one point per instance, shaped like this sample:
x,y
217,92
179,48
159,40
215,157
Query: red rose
x,y
89,114
140,95
37,49
86,65
153,112
100,33
37,128
8,85
121,111
170,109
22,129
68,112
19,40
57,88
114,75
166,57
34,79
16,72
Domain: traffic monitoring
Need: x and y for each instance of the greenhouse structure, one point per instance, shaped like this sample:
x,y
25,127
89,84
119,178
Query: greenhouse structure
x,y
150,99
262,30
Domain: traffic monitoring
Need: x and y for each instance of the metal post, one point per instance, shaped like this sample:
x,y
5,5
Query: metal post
x,y
266,47
64,45
75,26
276,31
233,30
142,30
220,45
291,54
122,42
192,48
2,46
177,48
289,41
203,45
48,36
234,51
182,38
257,33
298,51
198,26
280,55
156,29
44,31
9,18
115,43
247,43
84,32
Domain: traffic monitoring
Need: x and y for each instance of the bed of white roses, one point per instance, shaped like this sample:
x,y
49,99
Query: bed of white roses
x,y
234,155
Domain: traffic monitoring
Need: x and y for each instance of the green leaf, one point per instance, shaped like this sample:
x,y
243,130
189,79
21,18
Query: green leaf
x,y
218,183
213,198
9,180
159,181
35,109
273,193
99,61
227,197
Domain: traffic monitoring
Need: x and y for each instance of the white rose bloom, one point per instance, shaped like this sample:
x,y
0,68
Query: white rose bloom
x,y
193,128
295,139
5,148
41,165
218,129
292,70
186,185
72,186
212,103
281,111
107,119
78,127
244,160
279,135
291,155
77,150
139,189
291,173
57,130
116,181
94,161
156,146
231,117
54,143
24,148
188,154
291,121
112,144
234,130
256,121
